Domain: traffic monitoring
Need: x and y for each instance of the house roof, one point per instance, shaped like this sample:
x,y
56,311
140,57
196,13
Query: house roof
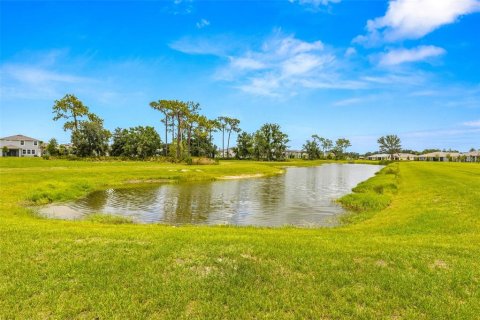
x,y
440,154
472,153
19,137
383,155
378,155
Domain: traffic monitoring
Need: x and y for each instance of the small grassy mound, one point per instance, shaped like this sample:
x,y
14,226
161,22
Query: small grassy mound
x,y
108,218
372,195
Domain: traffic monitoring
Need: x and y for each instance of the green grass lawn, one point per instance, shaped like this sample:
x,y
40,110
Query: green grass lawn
x,y
411,250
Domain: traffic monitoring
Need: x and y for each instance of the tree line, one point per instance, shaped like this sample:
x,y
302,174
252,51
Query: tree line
x,y
324,148
187,133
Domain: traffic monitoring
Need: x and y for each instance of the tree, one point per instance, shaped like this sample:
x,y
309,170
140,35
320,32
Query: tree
x,y
326,144
136,142
192,119
163,107
120,140
390,144
52,148
144,142
222,126
90,139
341,145
5,151
270,143
73,110
312,149
232,125
245,144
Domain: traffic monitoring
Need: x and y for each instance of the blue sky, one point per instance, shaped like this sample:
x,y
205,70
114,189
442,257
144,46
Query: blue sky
x,y
354,69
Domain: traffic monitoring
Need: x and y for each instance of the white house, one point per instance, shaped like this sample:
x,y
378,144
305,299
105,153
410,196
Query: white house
x,y
20,146
396,156
439,156
295,154
472,156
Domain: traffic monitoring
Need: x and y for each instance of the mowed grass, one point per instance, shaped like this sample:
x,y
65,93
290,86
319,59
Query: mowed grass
x,y
417,258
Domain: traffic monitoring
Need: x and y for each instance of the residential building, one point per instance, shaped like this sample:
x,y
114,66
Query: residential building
x,y
20,146
296,154
440,156
397,156
472,156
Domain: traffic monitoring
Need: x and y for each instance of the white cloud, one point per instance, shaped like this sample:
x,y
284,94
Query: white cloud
x,y
399,56
314,3
246,63
413,19
281,65
202,23
347,102
475,123
217,46
350,52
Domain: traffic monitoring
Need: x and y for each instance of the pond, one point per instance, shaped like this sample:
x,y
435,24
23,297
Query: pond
x,y
300,197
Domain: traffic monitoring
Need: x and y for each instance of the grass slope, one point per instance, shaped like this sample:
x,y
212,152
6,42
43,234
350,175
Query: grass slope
x,y
417,258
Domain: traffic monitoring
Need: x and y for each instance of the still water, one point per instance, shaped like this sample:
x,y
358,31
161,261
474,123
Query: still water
x,y
301,197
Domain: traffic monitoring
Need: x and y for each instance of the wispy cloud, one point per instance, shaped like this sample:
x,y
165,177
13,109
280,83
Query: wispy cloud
x,y
314,4
475,123
413,19
33,81
219,45
179,7
441,132
284,64
202,23
400,56
348,102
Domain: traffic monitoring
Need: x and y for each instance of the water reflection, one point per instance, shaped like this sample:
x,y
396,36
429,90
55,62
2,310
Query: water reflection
x,y
302,196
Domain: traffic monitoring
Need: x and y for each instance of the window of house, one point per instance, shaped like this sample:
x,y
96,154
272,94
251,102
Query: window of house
x,y
34,143
33,151
22,142
24,151
28,151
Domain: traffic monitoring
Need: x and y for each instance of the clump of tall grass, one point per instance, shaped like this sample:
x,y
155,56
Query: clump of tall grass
x,y
201,161
108,219
374,194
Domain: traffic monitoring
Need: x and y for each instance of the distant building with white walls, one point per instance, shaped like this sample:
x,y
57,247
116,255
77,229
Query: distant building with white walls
x,y
20,146
396,156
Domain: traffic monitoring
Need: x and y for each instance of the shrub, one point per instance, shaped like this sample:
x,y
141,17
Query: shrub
x,y
108,218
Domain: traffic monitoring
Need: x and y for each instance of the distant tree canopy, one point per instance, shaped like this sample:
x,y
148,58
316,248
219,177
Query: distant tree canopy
x,y
312,149
90,139
244,149
268,143
136,142
74,111
390,144
430,151
320,147
187,133
191,132
52,148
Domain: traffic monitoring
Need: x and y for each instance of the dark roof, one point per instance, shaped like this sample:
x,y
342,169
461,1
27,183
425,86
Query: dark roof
x,y
19,137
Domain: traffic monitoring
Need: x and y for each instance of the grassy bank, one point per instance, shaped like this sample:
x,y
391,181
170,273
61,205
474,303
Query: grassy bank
x,y
415,258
